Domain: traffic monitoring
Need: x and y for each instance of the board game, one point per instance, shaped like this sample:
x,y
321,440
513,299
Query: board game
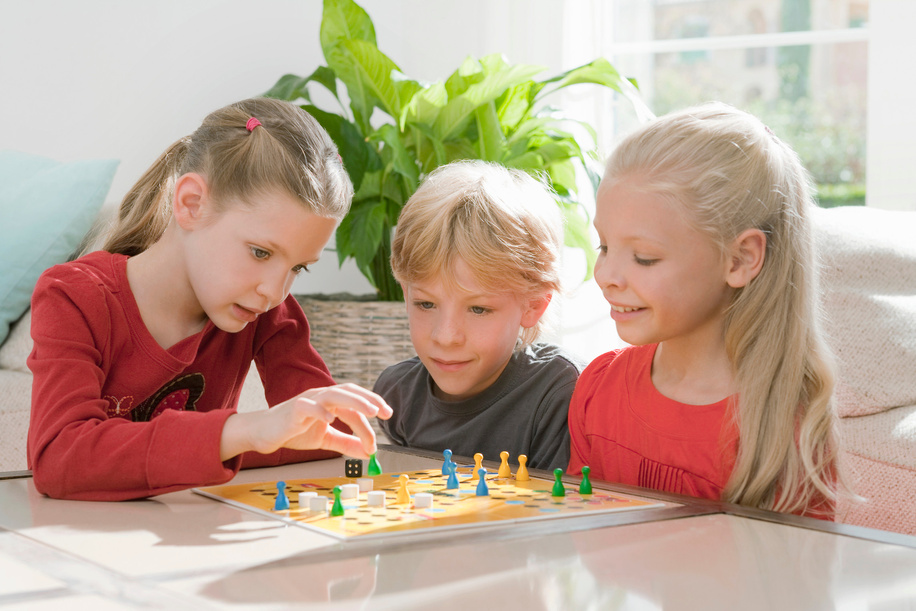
x,y
507,500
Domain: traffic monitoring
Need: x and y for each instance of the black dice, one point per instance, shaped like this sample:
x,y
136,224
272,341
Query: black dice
x,y
354,467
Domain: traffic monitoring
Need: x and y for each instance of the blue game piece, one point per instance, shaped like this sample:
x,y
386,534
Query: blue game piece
x,y
282,502
448,459
482,489
452,483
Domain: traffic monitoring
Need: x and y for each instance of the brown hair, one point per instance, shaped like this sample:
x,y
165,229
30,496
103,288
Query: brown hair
x,y
289,151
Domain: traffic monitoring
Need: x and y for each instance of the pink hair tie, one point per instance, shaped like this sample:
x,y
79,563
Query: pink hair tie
x,y
252,123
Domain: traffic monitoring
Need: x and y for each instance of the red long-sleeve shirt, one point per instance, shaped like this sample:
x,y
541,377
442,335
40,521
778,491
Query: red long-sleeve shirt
x,y
116,416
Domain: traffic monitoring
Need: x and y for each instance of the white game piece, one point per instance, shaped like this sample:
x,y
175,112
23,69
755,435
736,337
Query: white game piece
x,y
349,491
365,484
422,500
376,498
304,498
318,503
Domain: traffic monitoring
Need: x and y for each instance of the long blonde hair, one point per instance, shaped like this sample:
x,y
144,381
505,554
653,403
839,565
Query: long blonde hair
x,y
289,151
730,173
502,222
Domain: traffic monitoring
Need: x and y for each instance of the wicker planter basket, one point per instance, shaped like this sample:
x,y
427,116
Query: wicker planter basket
x,y
358,339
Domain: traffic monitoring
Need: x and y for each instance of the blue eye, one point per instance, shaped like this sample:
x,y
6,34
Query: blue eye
x,y
479,310
259,253
424,305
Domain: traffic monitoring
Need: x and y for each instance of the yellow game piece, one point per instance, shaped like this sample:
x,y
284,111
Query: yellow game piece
x,y
478,465
522,474
504,470
403,492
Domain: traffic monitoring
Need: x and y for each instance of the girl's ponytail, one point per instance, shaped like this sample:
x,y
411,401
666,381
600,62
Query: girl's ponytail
x,y
145,210
245,149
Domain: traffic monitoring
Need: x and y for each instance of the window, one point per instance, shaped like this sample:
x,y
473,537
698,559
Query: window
x,y
800,65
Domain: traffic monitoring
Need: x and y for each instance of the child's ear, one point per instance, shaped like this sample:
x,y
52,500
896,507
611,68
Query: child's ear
x,y
746,257
190,200
537,305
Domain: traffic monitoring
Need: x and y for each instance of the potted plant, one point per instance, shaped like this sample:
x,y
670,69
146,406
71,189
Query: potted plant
x,y
486,109
391,131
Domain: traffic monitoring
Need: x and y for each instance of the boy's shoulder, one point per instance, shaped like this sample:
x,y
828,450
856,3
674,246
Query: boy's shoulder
x,y
400,373
546,355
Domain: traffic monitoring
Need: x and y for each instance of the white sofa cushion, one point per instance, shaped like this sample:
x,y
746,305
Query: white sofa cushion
x,y
888,437
869,298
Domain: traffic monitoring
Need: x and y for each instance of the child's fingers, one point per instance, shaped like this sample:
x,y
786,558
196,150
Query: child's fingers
x,y
363,435
350,396
348,445
360,427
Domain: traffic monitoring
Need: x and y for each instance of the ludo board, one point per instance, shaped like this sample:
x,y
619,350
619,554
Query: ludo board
x,y
508,501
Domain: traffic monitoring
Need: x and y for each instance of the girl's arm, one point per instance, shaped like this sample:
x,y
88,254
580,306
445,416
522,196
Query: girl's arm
x,y
290,368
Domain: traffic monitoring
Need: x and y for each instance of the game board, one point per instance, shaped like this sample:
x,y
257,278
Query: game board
x,y
508,501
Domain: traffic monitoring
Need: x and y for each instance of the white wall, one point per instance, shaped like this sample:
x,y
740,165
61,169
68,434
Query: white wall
x,y
112,79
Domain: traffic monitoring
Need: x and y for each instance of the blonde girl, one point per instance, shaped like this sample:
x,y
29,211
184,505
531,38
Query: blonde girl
x,y
706,259
141,348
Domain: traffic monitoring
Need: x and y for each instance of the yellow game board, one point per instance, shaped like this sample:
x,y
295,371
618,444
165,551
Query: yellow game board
x,y
508,501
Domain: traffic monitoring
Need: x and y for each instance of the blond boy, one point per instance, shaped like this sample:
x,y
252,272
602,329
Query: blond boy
x,y
477,252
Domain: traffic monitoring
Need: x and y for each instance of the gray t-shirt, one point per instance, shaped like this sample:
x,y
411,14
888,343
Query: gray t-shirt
x,y
523,412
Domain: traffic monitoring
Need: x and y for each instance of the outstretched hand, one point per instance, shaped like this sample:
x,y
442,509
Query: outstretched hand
x,y
304,423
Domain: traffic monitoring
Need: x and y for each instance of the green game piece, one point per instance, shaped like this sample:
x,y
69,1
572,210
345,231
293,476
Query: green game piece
x,y
558,489
337,509
585,487
374,468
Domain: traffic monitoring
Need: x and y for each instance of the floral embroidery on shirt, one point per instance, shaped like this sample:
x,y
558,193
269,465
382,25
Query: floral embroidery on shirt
x,y
181,394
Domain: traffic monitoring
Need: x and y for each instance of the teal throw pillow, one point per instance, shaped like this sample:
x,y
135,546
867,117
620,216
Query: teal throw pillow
x,y
46,209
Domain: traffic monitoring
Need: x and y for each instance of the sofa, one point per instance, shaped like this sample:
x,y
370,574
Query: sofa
x,y
869,299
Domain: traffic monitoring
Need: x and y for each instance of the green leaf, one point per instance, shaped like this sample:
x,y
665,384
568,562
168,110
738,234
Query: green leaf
x,y
325,76
577,234
424,106
429,164
366,224
490,140
354,151
453,118
554,151
601,72
344,20
375,72
290,87
563,176
598,72
468,73
514,106
401,160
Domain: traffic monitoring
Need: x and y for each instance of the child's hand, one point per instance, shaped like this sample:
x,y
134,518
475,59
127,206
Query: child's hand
x,y
304,423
